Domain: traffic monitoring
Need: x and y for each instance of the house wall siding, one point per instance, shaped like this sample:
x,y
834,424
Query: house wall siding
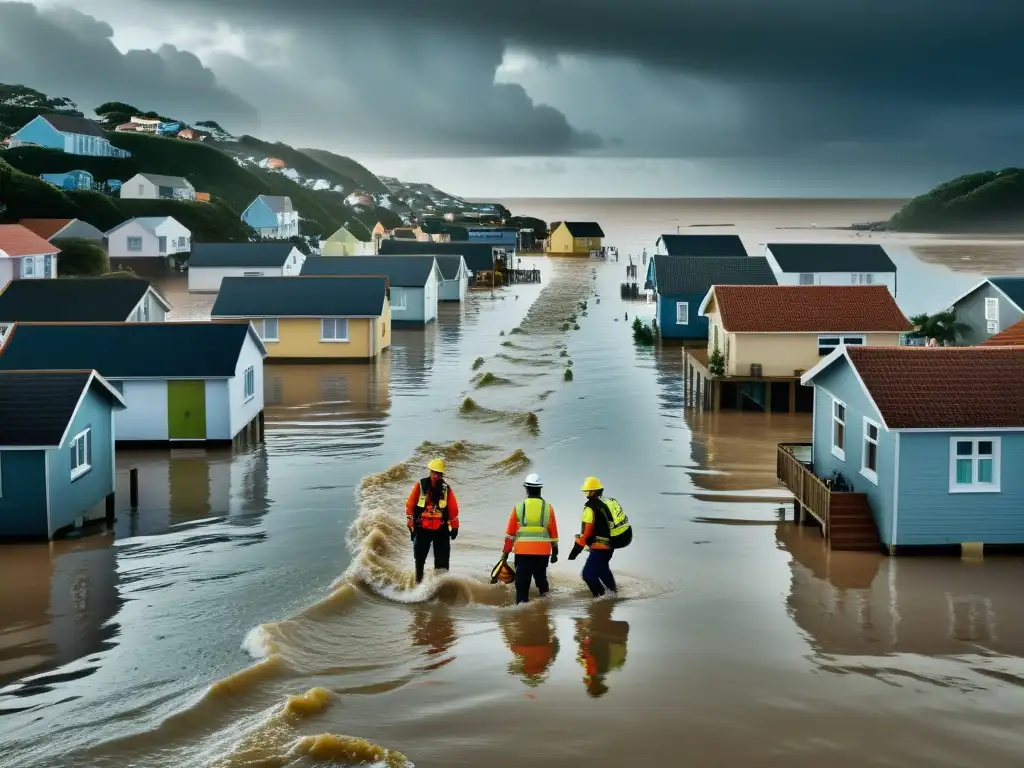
x,y
971,311
117,242
697,328
930,515
208,279
299,338
23,494
780,354
218,409
888,279
145,417
40,133
240,412
416,309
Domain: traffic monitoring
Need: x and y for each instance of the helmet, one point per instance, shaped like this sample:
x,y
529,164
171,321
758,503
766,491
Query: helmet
x,y
436,465
533,481
592,484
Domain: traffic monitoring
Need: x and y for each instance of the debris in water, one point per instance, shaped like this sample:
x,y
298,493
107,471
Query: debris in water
x,y
567,376
517,329
507,344
477,363
490,380
576,327
514,462
564,353
502,333
569,363
565,326
469,405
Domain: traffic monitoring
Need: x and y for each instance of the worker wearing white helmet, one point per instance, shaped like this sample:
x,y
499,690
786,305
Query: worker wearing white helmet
x,y
532,534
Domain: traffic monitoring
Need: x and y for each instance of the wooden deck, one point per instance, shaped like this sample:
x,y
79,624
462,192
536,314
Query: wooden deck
x,y
702,388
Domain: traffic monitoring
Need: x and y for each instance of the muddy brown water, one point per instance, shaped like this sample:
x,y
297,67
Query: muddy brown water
x,y
259,608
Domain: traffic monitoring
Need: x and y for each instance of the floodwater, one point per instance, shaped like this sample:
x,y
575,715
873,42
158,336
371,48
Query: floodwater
x,y
258,609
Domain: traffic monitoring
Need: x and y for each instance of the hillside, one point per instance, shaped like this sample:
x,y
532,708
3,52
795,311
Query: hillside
x,y
987,202
346,166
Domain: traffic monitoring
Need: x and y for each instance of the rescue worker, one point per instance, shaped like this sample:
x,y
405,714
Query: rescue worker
x,y
601,645
605,528
530,635
532,534
432,514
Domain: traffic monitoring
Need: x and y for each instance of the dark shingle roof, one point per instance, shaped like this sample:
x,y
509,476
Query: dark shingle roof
x,y
128,350
36,406
831,257
449,265
174,182
71,299
401,271
309,296
944,387
479,256
240,254
1013,287
703,245
584,228
678,275
72,124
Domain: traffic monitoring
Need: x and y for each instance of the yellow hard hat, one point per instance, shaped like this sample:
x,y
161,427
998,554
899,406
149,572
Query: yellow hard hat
x,y
592,484
436,465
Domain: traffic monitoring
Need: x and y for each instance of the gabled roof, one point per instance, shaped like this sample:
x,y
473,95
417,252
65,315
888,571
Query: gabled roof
x,y
37,407
309,296
401,271
677,275
276,203
584,228
938,387
174,182
149,223
831,257
45,228
73,124
403,233
703,245
479,256
74,299
449,264
1012,287
240,254
168,350
16,240
807,309
1011,337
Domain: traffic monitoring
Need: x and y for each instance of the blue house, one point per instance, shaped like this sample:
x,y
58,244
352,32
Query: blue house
x,y
70,180
680,284
56,450
505,237
272,216
67,133
925,433
990,307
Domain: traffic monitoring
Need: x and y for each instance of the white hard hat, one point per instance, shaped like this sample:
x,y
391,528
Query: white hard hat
x,y
533,481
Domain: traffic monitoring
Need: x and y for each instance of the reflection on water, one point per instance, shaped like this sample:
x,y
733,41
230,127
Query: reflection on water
x,y
529,632
433,629
988,259
601,643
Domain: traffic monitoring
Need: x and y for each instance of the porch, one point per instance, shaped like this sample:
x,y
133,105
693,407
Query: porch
x,y
765,394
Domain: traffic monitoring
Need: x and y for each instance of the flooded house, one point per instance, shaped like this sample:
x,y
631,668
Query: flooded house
x,y
210,263
344,243
918,437
312,317
575,237
480,258
700,245
990,307
57,229
56,450
832,264
413,282
182,382
147,240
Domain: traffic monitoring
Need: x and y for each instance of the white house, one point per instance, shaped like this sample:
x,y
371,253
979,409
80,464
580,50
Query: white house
x,y
181,381
454,277
831,264
148,237
273,217
212,262
153,186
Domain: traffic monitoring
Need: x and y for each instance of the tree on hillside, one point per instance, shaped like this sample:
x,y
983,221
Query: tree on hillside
x,y
30,98
79,256
115,106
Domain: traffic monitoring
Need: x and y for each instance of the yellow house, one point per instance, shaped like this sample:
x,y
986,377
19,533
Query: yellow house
x,y
317,318
377,234
344,243
781,331
577,237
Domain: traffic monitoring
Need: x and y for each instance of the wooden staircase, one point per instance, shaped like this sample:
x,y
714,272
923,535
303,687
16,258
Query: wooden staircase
x,y
851,526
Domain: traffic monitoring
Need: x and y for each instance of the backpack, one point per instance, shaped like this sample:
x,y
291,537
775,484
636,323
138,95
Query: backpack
x,y
620,532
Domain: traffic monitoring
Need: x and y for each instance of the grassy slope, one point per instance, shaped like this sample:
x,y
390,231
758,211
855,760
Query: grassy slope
x,y
989,201
346,166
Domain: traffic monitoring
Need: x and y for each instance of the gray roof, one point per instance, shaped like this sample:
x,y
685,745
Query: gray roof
x,y
146,222
74,124
37,406
1013,287
175,182
401,271
831,257
679,275
240,254
479,256
312,296
276,203
703,245
73,299
448,263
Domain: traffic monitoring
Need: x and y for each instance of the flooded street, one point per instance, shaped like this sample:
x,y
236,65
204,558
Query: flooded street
x,y
260,610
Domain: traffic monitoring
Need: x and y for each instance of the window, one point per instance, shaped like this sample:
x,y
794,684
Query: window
x,y
827,344
974,465
81,453
838,429
142,190
992,326
398,298
806,278
682,313
869,452
28,266
252,274
266,328
992,310
334,329
134,243
250,383
862,278
145,309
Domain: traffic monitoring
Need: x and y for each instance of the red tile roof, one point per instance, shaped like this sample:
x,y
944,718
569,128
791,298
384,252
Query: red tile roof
x,y
16,240
45,228
1011,337
809,309
944,387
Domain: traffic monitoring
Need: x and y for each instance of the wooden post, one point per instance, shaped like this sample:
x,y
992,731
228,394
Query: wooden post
x,y
133,488
716,395
767,397
111,497
262,427
792,397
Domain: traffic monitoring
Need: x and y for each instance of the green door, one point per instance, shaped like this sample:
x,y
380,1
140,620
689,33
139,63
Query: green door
x,y
186,410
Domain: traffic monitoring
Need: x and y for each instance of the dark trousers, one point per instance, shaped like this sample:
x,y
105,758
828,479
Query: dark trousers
x,y
531,568
442,542
597,571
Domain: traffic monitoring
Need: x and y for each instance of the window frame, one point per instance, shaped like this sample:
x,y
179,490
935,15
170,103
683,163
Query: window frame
x,y
130,240
809,278
974,486
249,383
394,304
842,339
84,465
261,331
866,471
324,339
686,313
839,451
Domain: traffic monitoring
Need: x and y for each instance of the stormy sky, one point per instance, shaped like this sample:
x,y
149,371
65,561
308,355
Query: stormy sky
x,y
566,97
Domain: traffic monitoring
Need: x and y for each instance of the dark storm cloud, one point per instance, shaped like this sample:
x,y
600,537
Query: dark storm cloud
x,y
63,52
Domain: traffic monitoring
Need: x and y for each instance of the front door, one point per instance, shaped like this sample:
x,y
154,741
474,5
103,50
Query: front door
x,y
186,410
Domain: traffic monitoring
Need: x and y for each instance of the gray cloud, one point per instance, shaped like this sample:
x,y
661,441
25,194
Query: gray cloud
x,y
63,52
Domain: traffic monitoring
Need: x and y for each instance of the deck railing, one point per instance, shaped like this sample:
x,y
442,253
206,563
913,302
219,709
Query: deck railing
x,y
812,494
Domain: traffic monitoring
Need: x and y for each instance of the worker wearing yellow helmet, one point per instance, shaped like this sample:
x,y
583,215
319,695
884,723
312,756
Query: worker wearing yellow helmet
x,y
605,528
432,514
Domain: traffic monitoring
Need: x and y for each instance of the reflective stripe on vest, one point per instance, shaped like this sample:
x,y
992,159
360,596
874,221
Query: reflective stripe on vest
x,y
533,516
618,523
425,489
